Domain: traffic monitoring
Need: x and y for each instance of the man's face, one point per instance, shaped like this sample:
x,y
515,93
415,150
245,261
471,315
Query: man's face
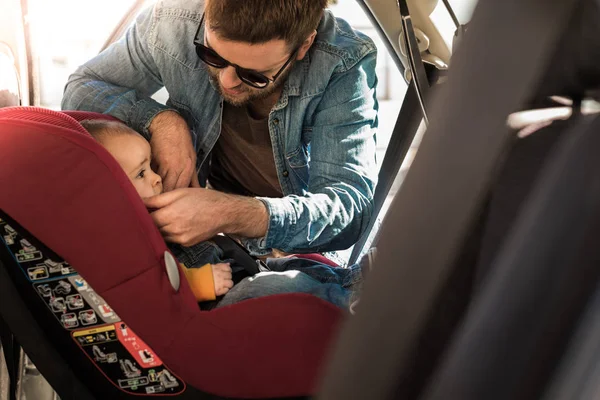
x,y
265,58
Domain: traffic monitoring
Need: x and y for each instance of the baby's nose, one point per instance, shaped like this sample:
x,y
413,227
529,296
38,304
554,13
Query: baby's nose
x,y
158,187
157,180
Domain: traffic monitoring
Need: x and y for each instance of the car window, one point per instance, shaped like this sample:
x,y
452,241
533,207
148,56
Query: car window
x,y
396,87
67,33
463,9
9,78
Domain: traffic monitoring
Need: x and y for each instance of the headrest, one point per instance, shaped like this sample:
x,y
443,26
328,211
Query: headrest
x,y
41,116
573,69
48,155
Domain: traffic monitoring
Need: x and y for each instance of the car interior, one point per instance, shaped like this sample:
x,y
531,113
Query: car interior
x,y
485,280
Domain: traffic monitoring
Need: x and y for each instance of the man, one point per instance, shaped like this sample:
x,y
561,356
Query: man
x,y
280,99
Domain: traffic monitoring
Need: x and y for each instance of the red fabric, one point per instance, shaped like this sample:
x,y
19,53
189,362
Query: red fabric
x,y
41,116
317,257
83,115
72,195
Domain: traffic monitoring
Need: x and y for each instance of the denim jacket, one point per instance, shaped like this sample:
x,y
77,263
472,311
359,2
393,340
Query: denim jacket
x,y
322,128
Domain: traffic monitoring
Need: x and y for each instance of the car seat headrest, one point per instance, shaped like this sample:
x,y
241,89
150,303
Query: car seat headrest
x,y
83,115
41,116
572,69
47,160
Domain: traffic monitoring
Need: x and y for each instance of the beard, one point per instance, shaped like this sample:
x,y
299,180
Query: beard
x,y
247,93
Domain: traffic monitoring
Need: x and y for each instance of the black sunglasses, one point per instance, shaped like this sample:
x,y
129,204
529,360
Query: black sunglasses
x,y
248,76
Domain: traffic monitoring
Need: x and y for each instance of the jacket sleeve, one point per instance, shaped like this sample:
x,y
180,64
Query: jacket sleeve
x,y
121,79
338,204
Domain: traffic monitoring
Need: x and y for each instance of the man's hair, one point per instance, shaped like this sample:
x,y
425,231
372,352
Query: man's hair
x,y
259,21
101,128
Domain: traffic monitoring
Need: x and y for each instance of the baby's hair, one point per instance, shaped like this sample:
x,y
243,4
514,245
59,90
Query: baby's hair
x,y
101,128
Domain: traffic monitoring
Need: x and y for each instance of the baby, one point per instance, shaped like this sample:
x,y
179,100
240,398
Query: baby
x,y
203,264
133,153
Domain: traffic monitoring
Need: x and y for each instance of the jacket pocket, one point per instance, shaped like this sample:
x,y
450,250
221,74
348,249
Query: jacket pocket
x,y
298,160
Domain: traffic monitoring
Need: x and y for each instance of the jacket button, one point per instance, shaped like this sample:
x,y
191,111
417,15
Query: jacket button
x,y
285,173
276,121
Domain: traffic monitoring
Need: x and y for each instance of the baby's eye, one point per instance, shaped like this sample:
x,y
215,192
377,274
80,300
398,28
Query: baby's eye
x,y
141,174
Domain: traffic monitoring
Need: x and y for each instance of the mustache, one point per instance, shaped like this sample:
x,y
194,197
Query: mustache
x,y
213,76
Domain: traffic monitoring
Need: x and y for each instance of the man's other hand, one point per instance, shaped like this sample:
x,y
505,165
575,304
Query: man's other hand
x,y
172,151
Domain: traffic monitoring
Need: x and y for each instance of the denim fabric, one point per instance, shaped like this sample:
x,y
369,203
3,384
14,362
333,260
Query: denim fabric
x,y
297,275
271,283
322,128
206,253
287,275
198,255
345,277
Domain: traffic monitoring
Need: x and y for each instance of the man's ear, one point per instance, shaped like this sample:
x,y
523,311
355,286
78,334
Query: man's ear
x,y
306,45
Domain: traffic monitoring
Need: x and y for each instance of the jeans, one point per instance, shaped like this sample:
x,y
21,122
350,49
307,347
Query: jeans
x,y
287,275
298,275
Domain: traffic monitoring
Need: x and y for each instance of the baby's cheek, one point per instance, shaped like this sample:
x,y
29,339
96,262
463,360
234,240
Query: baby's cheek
x,y
142,190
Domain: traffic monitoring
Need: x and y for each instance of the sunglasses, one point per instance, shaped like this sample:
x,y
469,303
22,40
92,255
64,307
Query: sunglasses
x,y
248,76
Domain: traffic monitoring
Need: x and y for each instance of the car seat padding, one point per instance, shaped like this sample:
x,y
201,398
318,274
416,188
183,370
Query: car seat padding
x,y
65,189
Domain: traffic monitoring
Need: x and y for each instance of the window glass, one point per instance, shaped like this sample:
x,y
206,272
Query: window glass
x,y
67,33
392,87
9,78
463,9
391,84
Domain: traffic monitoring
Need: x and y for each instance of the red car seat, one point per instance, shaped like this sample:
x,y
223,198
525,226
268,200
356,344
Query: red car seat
x,y
68,192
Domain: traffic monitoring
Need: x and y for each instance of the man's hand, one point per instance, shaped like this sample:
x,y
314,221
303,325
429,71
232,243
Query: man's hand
x,y
172,151
189,216
222,278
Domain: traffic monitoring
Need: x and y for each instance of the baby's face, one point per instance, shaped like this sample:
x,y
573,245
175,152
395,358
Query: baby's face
x,y
134,155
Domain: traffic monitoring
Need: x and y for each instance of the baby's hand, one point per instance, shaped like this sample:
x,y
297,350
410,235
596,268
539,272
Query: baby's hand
x,y
222,278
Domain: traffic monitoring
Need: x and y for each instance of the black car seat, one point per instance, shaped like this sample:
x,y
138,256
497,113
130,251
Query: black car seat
x,y
488,256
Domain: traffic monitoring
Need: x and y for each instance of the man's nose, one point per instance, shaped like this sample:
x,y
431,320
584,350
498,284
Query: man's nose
x,y
229,78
